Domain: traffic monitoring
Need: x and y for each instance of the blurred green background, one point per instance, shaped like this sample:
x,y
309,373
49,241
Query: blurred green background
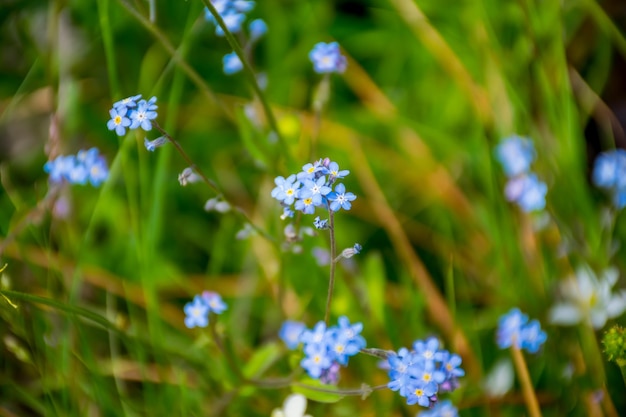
x,y
95,326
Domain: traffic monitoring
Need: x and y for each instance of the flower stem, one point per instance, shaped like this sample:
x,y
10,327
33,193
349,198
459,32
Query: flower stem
x,y
248,69
527,387
333,255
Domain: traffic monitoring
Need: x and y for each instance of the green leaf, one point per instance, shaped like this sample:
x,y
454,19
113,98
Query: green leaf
x,y
316,391
262,360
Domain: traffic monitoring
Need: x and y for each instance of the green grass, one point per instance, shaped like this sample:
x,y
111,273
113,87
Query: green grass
x,y
91,317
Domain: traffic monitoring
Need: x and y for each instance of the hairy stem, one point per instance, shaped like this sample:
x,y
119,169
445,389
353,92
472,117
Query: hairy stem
x,y
333,255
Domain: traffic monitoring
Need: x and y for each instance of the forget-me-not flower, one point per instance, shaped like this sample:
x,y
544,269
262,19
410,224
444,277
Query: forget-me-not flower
x,y
340,199
515,154
327,58
515,330
232,63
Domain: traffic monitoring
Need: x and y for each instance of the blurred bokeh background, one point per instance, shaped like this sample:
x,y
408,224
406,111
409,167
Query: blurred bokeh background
x,y
431,88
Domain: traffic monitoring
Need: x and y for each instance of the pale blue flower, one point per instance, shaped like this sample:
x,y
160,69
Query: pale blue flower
x,y
327,58
515,153
232,63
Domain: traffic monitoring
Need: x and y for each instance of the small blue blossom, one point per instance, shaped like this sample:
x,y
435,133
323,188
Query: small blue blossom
x,y
119,122
316,360
441,409
320,224
609,172
419,392
290,333
287,212
197,313
151,145
327,58
315,189
257,29
309,171
340,199
232,13
305,205
515,330
334,172
142,116
214,301
528,192
286,190
232,63
127,103
515,154
85,166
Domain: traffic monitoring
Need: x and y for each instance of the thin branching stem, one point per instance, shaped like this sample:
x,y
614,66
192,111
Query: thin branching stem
x,y
333,255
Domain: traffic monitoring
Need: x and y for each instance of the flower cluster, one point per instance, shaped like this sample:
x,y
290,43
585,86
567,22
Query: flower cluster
x,y
589,298
197,311
609,172
85,166
132,112
325,348
313,187
523,188
514,329
327,58
441,409
420,374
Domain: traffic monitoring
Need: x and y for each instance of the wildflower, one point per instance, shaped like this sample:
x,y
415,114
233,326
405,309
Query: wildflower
x,y
286,190
527,191
340,199
515,330
309,171
317,359
214,301
315,189
294,406
232,13
151,145
188,176
232,63
127,103
119,122
142,116
420,374
350,252
335,173
327,58
441,409
589,298
515,154
217,204
287,212
609,172
85,166
197,313
290,333
320,224
305,205
257,29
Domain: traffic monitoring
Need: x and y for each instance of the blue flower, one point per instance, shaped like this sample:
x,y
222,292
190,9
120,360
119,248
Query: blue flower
x,y
214,301
85,166
515,330
309,171
527,191
340,199
286,190
420,392
257,28
290,333
316,360
232,63
609,169
142,116
315,189
320,224
305,205
127,103
515,154
327,58
441,409
151,145
335,173
119,122
197,313
450,364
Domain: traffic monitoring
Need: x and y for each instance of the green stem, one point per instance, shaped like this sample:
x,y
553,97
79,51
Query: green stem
x,y
333,255
248,70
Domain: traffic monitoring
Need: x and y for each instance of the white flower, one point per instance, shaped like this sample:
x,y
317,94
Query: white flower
x,y
294,406
589,298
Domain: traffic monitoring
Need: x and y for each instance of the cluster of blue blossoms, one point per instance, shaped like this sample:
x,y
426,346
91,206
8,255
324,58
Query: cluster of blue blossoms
x,y
325,348
327,58
514,329
131,113
523,188
197,311
85,166
422,373
609,172
233,13
313,187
